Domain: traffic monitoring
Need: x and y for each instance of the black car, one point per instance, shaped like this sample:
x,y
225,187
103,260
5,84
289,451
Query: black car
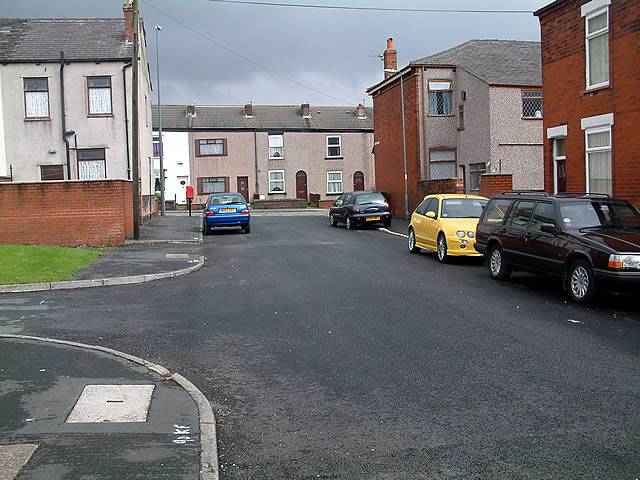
x,y
590,240
360,208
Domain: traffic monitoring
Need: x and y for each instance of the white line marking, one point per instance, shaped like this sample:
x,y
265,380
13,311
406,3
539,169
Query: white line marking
x,y
392,233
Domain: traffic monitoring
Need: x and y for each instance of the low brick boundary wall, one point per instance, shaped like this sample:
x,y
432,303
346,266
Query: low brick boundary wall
x,y
493,183
67,213
279,203
447,185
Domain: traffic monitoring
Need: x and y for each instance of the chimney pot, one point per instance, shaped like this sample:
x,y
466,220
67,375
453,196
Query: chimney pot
x,y
360,111
390,59
248,110
306,110
127,9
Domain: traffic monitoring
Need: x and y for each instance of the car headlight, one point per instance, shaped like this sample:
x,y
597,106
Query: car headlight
x,y
471,234
620,261
460,234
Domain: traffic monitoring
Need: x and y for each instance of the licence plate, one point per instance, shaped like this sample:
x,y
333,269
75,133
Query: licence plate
x,y
228,210
373,219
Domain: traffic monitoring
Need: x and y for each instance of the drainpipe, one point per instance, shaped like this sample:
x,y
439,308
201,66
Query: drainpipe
x,y
404,151
255,160
126,118
62,114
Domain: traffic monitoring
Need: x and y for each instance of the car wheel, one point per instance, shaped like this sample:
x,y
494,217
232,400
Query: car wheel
x,y
442,249
498,268
581,281
350,224
332,220
246,229
413,248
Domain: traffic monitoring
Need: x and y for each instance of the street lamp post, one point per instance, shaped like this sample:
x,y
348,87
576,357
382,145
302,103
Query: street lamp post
x,y
161,152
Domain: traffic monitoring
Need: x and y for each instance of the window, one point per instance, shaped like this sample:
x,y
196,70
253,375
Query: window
x,y
462,208
475,172
440,98
532,104
442,164
214,147
334,149
432,206
36,98
276,146
598,148
156,146
276,181
461,117
99,89
212,185
520,214
334,182
559,165
422,208
92,164
496,211
597,48
51,172
544,213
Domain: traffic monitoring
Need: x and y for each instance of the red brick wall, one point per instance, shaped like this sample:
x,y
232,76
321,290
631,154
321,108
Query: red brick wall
x,y
447,185
567,102
492,183
66,213
387,127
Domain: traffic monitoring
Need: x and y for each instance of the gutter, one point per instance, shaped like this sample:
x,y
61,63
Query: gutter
x,y
126,118
62,114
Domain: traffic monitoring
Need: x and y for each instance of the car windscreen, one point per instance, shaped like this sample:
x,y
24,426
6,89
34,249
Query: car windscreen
x,y
599,214
226,200
462,208
369,198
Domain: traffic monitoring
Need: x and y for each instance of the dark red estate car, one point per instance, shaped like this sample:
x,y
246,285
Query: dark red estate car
x,y
590,240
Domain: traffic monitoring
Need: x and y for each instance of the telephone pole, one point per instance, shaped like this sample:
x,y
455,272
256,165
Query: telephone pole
x,y
135,153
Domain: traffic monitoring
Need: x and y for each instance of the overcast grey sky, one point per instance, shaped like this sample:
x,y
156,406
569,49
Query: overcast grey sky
x,y
331,51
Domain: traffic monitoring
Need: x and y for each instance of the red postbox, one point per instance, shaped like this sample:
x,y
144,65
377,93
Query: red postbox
x,y
189,192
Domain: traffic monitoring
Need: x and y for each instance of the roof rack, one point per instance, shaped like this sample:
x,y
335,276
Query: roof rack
x,y
526,192
582,195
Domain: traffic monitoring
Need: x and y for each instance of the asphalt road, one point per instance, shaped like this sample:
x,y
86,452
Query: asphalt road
x,y
337,354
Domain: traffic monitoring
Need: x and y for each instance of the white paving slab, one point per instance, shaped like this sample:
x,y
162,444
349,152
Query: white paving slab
x,y
112,403
13,458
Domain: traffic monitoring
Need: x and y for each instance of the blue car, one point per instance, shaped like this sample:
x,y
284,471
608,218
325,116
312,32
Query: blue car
x,y
226,210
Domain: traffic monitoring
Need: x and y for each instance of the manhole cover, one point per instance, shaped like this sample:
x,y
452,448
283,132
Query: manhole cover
x,y
112,403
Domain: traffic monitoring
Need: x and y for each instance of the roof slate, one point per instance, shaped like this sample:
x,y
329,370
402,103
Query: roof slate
x,y
265,117
497,62
41,40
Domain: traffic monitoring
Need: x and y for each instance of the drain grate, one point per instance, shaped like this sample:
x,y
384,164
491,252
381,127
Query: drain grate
x,y
112,403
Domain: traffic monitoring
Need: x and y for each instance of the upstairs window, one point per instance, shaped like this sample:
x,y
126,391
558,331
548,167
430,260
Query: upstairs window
x,y
36,98
276,146
440,98
597,48
211,147
532,104
334,148
99,91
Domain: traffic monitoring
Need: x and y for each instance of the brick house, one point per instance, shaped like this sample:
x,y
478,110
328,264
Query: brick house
x,y
275,151
65,101
590,58
473,109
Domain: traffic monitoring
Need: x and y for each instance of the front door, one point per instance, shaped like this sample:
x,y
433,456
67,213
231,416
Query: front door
x,y
301,185
358,182
561,176
243,187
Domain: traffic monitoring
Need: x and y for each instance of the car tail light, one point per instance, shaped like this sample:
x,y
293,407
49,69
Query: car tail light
x,y
210,214
245,212
387,208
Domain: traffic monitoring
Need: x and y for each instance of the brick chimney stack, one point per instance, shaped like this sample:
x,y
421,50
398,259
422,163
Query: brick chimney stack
x,y
248,110
390,59
191,113
127,8
360,111
306,110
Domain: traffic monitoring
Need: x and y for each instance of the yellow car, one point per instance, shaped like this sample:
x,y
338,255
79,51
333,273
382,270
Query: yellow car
x,y
446,224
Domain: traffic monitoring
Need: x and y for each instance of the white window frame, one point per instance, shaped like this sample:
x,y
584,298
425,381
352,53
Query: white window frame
x,y
557,157
339,145
284,182
280,146
587,151
590,36
335,181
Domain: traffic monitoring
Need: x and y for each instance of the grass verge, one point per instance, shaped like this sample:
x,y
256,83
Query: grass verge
x,y
34,263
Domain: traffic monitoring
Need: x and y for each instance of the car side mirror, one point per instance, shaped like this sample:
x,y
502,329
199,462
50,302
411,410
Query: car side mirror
x,y
549,228
430,214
